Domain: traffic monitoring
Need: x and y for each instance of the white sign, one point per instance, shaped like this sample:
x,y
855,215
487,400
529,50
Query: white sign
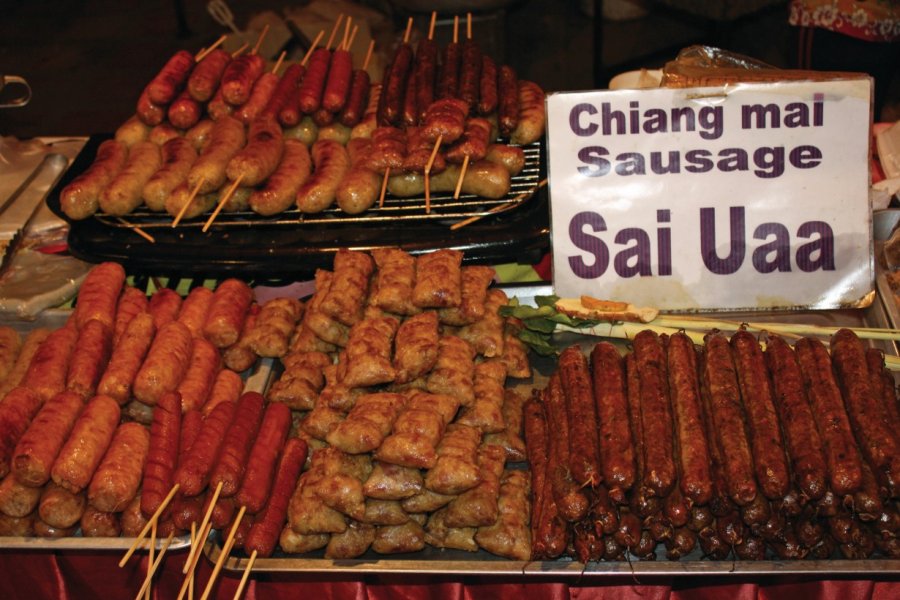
x,y
750,196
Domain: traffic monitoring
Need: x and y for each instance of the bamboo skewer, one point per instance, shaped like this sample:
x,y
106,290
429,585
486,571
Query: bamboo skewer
x,y
409,24
431,25
500,207
312,47
337,23
455,29
189,579
278,64
151,570
352,37
187,203
245,576
462,176
150,557
368,55
346,37
225,198
203,53
468,25
137,230
384,182
203,522
259,40
226,550
239,51
149,524
428,165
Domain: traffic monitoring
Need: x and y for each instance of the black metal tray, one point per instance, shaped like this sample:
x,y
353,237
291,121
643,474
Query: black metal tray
x,y
291,246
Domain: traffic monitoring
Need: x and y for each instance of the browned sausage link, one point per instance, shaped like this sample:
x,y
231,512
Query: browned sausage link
x,y
91,435
676,508
260,157
487,102
730,528
646,547
572,503
508,100
187,510
40,444
81,198
268,445
148,112
765,432
809,528
313,83
757,512
612,550
409,114
194,472
841,453
548,531
616,446
61,508
355,106
701,518
337,85
204,79
323,118
268,524
884,387
711,544
588,544
166,362
288,82
576,383
46,374
642,503
628,534
867,415
693,451
470,73
162,456
127,358
393,87
751,547
604,516
866,501
238,439
90,360
660,527
656,414
163,88
801,436
184,112
118,477
448,76
289,115
259,98
683,543
727,419
239,77
132,302
425,71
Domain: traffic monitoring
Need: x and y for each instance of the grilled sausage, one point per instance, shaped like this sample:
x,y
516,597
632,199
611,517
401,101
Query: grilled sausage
x,y
229,469
123,194
178,156
309,97
331,165
231,301
165,365
91,435
162,455
127,358
46,373
89,361
257,483
81,198
239,77
204,79
253,164
118,476
163,88
193,473
39,446
18,408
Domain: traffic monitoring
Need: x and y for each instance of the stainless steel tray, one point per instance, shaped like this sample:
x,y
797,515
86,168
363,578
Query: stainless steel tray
x,y
435,561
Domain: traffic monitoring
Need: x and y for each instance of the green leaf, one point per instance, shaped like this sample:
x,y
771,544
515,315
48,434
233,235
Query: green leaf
x,y
540,325
538,342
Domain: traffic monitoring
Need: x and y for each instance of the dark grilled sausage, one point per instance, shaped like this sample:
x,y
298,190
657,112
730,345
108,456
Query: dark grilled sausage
x,y
572,502
163,88
390,106
229,469
470,74
257,483
313,84
239,77
582,417
358,96
162,456
656,414
204,79
508,100
287,84
425,71
616,446
448,76
487,102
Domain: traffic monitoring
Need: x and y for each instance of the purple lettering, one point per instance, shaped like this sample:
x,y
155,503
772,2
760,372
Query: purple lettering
x,y
638,255
593,155
780,247
590,244
731,263
823,247
575,119
771,160
805,157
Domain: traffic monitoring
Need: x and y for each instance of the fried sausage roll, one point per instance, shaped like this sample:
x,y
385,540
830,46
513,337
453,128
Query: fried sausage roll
x,y
454,370
510,535
345,299
510,439
486,413
438,279
302,380
474,283
456,469
477,507
389,481
418,430
394,281
270,336
440,535
486,335
368,353
416,346
368,423
326,327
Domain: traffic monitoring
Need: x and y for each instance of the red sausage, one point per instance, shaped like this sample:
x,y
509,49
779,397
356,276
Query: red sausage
x,y
470,73
148,112
312,86
261,464
426,69
656,414
99,295
89,361
184,112
487,102
508,100
616,445
229,469
239,77
204,79
448,78
289,114
284,90
40,444
193,474
259,98
268,524
46,373
159,470
337,86
584,453
132,302
164,306
355,106
390,105
163,88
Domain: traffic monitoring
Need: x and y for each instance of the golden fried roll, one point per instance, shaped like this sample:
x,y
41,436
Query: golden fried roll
x,y
341,484
392,482
93,431
321,420
477,507
426,501
305,339
178,155
331,165
351,543
230,303
279,192
416,349
510,535
165,365
16,498
368,353
307,514
440,535
438,279
418,430
194,309
394,281
127,358
123,194
456,469
302,380
396,539
510,439
200,203
90,360
454,371
532,114
10,344
486,413
132,302
226,387
118,477
339,396
46,375
368,423
208,171
487,336
292,542
97,523
271,334
164,306
80,199
474,281
32,342
240,356
40,444
345,299
197,384
326,327
515,356
163,133
61,508
384,512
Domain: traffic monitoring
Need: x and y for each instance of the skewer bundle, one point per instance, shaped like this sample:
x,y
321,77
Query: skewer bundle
x,y
217,133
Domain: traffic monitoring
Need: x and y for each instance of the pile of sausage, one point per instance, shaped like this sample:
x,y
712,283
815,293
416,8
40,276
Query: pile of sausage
x,y
786,453
310,138
397,376
75,449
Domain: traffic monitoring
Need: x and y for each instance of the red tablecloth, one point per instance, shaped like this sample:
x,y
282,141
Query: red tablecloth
x,y
69,575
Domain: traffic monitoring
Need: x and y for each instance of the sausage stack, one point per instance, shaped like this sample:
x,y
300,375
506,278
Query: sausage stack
x,y
222,131
786,453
